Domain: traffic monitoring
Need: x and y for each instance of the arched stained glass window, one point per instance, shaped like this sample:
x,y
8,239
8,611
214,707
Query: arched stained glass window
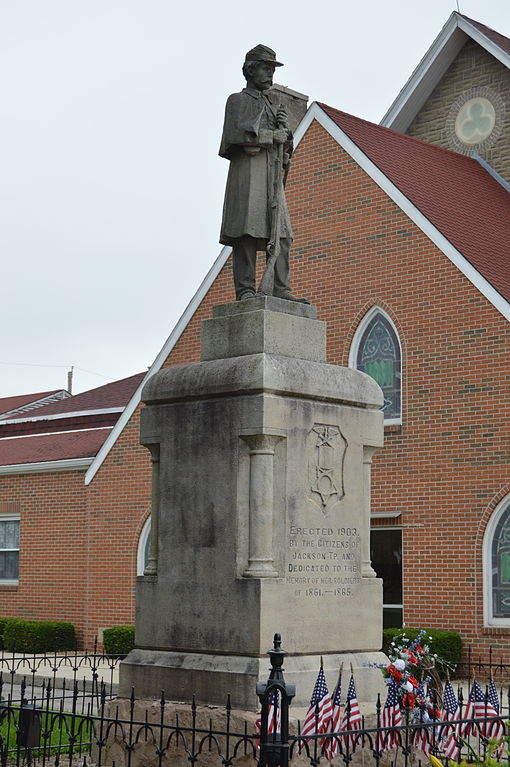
x,y
378,355
500,566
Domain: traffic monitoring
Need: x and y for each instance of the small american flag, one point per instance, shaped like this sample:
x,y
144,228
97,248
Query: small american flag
x,y
494,729
274,705
421,737
320,709
493,696
450,734
476,698
351,719
331,747
387,737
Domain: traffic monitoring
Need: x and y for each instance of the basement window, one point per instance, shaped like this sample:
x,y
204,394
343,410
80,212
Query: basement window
x,y
9,549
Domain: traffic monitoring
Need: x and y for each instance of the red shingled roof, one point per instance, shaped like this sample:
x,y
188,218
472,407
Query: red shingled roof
x,y
53,447
74,437
11,403
500,40
116,394
461,199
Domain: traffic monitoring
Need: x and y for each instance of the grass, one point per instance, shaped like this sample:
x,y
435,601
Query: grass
x,y
58,732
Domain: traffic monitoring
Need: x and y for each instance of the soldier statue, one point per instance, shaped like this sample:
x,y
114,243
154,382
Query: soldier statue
x,y
258,142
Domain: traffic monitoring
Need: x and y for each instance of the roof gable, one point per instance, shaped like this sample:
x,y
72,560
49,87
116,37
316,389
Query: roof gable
x,y
64,431
436,61
112,395
454,192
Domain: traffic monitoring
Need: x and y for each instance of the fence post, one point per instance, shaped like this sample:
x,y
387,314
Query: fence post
x,y
275,697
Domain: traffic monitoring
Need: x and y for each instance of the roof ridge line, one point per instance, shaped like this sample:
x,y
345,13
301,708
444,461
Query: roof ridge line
x,y
481,24
398,133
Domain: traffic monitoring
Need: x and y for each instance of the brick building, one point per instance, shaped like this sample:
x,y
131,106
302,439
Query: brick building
x,y
402,240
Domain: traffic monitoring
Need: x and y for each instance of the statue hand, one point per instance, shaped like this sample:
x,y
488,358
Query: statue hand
x,y
280,136
282,117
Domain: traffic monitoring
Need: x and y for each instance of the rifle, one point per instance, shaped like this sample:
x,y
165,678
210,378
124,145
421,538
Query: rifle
x,y
273,246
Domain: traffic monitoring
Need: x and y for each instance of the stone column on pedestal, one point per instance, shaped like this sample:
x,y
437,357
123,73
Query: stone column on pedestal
x,y
260,558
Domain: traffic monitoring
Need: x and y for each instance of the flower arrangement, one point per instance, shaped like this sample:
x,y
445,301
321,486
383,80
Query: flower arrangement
x,y
410,660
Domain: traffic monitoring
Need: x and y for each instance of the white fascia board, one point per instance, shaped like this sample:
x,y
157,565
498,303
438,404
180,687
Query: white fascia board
x,y
422,222
433,65
425,77
172,339
66,464
49,399
56,416
484,41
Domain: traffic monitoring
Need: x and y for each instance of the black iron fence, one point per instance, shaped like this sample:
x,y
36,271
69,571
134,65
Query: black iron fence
x,y
491,666
89,726
61,673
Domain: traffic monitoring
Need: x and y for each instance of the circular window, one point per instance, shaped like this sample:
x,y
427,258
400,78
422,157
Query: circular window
x,y
475,120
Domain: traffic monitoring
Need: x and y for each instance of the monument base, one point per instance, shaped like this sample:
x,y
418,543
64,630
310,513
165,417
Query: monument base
x,y
211,678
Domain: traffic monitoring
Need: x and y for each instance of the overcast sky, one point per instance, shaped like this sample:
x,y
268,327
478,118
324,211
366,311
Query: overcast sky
x,y
110,183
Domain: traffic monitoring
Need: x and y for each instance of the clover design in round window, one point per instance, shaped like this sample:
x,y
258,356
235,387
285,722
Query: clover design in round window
x,y
475,120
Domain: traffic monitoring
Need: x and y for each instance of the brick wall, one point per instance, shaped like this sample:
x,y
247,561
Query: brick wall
x,y
52,551
473,68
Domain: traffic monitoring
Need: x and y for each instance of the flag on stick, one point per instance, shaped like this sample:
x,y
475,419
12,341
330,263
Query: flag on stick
x,y
450,734
387,737
320,709
274,714
351,719
331,747
422,736
476,698
495,728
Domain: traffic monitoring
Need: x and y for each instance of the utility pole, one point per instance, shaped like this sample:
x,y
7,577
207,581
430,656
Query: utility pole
x,y
70,380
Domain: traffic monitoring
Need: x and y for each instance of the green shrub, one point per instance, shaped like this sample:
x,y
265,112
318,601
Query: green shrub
x,y
119,640
447,644
38,636
3,621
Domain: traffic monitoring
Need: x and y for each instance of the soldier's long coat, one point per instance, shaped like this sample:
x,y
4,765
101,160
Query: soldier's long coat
x,y
249,191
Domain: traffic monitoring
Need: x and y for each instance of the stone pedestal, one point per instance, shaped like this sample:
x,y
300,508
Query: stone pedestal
x,y
262,512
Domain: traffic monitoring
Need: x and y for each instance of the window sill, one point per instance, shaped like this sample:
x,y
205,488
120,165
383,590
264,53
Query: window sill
x,y
392,428
9,585
496,630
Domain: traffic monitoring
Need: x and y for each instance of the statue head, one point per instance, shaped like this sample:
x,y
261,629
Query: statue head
x,y
258,68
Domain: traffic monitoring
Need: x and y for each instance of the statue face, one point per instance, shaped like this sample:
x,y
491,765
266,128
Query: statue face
x,y
262,77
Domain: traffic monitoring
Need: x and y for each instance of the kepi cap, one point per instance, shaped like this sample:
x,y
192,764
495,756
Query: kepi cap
x,y
262,53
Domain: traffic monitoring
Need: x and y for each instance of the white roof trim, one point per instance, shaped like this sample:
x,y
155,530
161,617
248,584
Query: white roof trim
x,y
71,414
66,464
433,65
422,222
158,362
57,396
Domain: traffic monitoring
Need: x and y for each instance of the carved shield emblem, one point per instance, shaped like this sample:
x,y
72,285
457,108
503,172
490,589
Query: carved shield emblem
x,y
326,453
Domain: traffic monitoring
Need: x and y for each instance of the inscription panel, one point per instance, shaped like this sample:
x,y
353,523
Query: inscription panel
x,y
323,561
